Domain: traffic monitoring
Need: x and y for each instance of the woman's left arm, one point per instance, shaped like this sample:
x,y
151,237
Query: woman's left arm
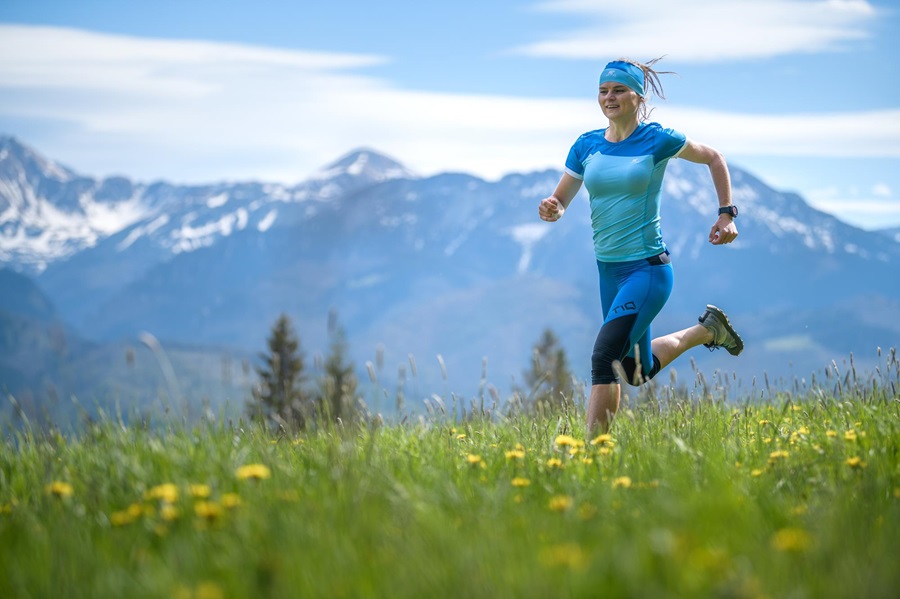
x,y
724,231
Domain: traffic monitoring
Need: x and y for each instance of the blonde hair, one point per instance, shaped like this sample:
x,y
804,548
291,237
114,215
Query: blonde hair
x,y
652,83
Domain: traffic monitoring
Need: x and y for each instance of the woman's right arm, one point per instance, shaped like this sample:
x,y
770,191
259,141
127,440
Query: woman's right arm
x,y
553,207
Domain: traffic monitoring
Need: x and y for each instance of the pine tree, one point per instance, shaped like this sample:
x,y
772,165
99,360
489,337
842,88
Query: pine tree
x,y
549,380
280,396
338,383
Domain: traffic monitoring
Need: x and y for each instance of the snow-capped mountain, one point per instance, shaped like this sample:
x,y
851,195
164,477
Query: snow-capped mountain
x,y
450,264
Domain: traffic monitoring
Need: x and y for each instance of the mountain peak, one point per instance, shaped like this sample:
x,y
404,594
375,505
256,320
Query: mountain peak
x,y
367,164
14,155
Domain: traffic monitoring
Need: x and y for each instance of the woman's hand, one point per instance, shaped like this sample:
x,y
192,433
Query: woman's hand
x,y
551,209
723,231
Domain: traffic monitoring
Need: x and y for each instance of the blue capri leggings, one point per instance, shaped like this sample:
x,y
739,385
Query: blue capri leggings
x,y
632,294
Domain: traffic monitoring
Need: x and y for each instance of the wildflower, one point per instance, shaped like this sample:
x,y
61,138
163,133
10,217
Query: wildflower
x,y
121,518
604,439
199,491
605,450
473,459
587,511
567,555
166,492
855,462
830,433
554,463
520,482
207,510
209,590
515,454
231,500
791,539
803,430
564,440
460,436
587,461
777,455
60,489
169,512
254,471
560,503
850,435
756,472
763,422
623,482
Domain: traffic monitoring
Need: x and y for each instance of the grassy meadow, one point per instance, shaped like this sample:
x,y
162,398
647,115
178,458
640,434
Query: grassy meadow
x,y
691,495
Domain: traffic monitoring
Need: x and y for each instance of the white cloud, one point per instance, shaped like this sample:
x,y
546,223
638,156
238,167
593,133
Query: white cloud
x,y
881,190
197,111
687,30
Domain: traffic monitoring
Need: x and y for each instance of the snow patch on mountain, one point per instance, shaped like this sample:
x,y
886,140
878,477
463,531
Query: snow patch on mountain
x,y
527,236
267,221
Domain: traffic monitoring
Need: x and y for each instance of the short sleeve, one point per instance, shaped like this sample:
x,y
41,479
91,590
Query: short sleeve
x,y
669,144
574,164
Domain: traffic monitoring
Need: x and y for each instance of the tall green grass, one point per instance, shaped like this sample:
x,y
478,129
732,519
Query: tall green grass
x,y
690,496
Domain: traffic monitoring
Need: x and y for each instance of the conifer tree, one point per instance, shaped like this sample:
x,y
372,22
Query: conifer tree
x,y
549,380
338,383
280,396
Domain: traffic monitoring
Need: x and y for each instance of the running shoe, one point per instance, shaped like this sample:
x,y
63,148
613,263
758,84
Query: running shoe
x,y
724,334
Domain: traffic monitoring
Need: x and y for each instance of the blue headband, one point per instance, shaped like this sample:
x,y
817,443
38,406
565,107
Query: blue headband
x,y
619,71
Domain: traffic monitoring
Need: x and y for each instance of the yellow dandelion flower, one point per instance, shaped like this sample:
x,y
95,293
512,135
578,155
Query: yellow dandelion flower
x,y
199,491
560,503
778,455
568,555
60,489
587,461
169,512
473,459
756,472
573,451
519,447
460,436
796,408
855,462
622,482
587,511
791,539
520,482
850,435
738,465
605,450
764,422
554,463
208,510
167,492
830,433
604,439
230,500
564,441
767,440
254,472
121,518
803,430
208,590
515,454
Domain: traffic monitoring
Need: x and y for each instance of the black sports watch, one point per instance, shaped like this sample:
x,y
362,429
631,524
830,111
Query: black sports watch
x,y
732,210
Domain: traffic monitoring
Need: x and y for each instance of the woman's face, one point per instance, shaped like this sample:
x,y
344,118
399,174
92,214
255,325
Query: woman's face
x,y
618,101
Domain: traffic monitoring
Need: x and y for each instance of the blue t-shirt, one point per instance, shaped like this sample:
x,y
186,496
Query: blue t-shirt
x,y
624,180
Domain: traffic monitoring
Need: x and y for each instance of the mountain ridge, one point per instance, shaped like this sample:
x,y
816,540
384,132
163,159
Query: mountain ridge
x,y
455,265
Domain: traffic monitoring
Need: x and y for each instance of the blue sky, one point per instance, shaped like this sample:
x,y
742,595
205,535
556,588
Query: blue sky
x,y
802,93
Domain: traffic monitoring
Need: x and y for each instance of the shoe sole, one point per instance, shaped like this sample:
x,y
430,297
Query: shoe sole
x,y
724,318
